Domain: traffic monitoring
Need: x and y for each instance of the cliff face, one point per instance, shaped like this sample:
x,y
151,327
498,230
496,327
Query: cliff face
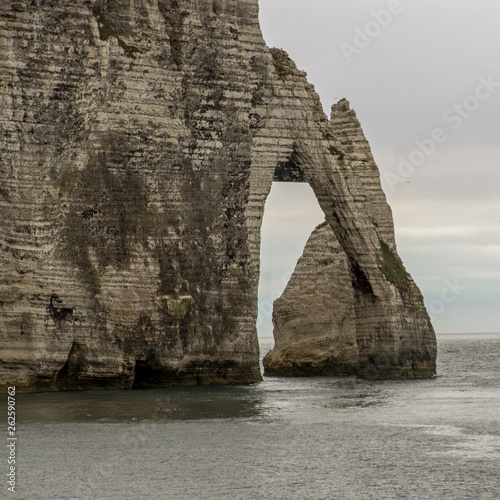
x,y
139,143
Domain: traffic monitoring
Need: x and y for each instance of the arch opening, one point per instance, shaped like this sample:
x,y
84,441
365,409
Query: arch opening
x,y
291,213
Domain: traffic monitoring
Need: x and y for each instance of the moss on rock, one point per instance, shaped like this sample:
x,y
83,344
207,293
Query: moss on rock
x,y
393,268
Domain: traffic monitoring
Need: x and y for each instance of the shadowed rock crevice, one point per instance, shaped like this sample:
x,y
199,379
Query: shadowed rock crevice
x,y
289,170
57,312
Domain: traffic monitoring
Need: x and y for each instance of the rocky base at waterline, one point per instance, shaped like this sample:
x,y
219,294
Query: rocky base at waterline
x,y
139,143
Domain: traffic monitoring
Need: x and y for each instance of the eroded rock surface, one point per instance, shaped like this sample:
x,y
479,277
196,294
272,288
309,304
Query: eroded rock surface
x,y
139,141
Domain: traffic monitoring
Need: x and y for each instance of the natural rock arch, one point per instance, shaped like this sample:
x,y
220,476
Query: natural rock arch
x,y
137,154
369,319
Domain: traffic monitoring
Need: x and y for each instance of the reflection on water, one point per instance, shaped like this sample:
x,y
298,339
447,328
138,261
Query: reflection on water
x,y
153,404
266,399
192,403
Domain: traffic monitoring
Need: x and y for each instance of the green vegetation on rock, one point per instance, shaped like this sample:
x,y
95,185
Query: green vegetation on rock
x,y
393,268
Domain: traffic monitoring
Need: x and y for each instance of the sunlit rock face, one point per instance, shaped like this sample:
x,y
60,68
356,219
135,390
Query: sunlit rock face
x,y
139,141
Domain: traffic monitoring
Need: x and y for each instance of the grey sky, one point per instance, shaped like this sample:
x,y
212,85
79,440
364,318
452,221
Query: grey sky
x,y
424,79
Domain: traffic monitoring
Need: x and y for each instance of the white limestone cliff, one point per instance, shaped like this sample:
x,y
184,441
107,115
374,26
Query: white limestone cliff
x,y
139,142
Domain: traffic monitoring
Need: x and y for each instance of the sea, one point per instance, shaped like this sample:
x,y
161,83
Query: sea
x,y
284,438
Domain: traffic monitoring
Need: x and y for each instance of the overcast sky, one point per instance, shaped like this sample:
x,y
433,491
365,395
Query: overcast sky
x,y
424,79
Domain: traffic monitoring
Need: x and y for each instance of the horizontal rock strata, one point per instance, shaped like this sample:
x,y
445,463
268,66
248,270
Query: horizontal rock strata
x,y
139,141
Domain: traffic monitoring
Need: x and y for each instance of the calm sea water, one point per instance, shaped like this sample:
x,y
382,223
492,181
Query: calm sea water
x,y
301,438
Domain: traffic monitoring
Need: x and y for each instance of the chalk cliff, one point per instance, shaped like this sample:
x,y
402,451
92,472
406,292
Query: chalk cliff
x,y
139,141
